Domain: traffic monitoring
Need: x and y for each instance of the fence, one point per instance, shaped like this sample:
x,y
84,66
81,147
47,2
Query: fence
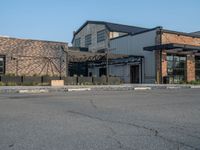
x,y
26,80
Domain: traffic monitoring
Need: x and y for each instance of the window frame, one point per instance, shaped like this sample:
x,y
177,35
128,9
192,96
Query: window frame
x,y
79,41
176,67
88,40
197,67
102,37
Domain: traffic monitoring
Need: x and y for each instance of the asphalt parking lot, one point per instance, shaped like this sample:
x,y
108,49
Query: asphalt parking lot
x,y
101,120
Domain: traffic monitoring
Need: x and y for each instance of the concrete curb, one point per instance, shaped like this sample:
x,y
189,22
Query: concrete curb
x,y
142,88
79,89
173,87
33,91
195,87
129,87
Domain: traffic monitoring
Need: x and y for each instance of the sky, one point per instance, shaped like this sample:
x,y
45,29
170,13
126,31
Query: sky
x,y
55,20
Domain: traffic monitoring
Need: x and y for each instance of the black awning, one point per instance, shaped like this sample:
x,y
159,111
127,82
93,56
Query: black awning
x,y
170,46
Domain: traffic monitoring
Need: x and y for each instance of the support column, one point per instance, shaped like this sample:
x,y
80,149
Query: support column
x,y
161,65
164,64
158,67
190,68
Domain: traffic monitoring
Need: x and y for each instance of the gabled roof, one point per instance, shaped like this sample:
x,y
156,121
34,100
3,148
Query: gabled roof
x,y
197,32
123,28
114,27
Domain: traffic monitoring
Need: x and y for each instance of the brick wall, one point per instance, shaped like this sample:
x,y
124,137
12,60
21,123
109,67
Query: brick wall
x,y
164,64
190,68
180,39
33,57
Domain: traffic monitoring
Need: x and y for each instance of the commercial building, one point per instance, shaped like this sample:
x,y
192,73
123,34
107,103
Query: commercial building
x,y
156,55
27,57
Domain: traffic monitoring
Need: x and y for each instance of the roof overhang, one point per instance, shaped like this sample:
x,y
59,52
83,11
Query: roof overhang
x,y
75,56
172,46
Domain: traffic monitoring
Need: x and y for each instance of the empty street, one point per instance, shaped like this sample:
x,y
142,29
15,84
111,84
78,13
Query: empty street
x,y
101,120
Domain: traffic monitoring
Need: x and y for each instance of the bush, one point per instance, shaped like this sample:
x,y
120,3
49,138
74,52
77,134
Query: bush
x,y
196,82
42,84
10,74
11,84
29,84
2,84
182,82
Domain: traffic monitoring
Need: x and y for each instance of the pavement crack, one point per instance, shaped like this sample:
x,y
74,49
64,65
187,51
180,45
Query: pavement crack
x,y
181,131
11,145
120,144
111,121
154,131
178,142
111,130
93,104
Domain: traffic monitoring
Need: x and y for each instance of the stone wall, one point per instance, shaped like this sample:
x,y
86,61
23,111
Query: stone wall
x,y
33,57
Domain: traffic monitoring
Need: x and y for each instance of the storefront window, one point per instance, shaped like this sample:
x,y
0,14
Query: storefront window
x,y
176,68
197,67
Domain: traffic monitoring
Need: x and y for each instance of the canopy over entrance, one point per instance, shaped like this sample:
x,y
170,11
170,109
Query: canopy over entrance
x,y
175,47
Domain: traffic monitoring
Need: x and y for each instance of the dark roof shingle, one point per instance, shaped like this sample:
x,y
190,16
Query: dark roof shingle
x,y
124,28
197,32
115,27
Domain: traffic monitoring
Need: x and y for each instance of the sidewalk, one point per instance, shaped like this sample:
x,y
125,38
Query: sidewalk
x,y
124,87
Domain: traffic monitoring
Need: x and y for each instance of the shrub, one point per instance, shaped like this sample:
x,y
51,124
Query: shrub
x,y
42,84
2,84
11,84
195,82
10,74
182,82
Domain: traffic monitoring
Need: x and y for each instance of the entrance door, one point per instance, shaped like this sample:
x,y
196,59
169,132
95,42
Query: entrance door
x,y
134,74
102,72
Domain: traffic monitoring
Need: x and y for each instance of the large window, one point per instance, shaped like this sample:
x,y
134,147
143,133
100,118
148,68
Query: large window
x,y
176,68
78,42
197,67
101,36
2,65
88,40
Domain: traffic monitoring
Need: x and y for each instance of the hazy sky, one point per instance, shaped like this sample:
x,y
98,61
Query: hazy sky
x,y
57,19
